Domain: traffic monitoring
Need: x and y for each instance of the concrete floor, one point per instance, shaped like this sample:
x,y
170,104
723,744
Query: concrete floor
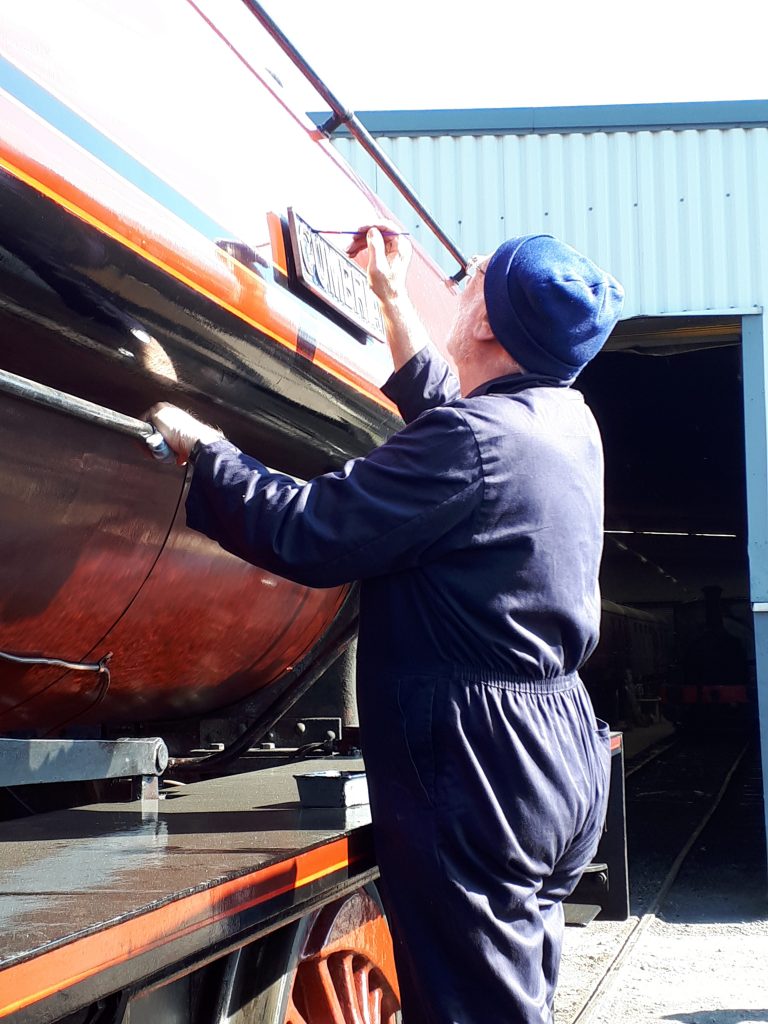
x,y
695,972
703,959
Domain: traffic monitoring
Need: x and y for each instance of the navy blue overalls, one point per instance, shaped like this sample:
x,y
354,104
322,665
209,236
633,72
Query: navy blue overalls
x,y
477,533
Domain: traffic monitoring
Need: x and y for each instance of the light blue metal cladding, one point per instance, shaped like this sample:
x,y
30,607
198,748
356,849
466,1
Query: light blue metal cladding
x,y
679,216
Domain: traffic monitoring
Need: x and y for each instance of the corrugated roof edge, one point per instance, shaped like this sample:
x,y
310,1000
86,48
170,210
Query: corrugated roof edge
x,y
541,120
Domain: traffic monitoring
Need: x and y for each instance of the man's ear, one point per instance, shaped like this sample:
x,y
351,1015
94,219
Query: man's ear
x,y
482,330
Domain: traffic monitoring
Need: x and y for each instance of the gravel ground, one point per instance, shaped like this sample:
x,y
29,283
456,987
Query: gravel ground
x,y
704,958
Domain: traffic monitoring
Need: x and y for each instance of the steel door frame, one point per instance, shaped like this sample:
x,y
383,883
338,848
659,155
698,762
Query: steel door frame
x,y
754,335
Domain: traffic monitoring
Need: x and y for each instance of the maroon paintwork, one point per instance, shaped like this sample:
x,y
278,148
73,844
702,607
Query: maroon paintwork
x,y
96,558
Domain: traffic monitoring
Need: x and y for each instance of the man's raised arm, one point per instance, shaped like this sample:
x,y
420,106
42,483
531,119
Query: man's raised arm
x,y
426,380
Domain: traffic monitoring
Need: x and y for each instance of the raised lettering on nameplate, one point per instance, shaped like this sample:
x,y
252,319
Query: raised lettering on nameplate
x,y
333,277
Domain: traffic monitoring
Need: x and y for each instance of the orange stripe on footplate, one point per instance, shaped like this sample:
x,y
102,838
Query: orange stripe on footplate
x,y
60,968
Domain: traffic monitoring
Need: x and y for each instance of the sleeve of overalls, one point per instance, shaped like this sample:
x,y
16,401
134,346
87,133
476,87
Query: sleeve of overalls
x,y
424,382
388,511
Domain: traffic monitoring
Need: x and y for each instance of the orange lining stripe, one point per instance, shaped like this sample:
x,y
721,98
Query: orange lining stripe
x,y
245,279
278,245
33,980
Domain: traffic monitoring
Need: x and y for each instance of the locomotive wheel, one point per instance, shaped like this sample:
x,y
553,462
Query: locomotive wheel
x,y
335,966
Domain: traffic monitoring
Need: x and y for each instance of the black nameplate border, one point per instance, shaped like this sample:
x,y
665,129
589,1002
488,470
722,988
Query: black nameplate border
x,y
333,277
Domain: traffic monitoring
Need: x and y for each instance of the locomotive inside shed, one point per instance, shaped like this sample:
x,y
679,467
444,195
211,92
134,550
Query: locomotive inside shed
x,y
668,397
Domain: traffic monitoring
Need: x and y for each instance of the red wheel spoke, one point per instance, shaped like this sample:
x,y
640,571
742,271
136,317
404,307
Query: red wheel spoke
x,y
343,972
363,994
336,1013
374,1002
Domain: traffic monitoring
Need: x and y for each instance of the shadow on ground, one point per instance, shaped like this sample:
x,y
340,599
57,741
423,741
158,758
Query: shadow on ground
x,y
720,1017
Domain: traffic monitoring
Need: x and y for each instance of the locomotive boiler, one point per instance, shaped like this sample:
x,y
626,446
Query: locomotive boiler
x,y
172,239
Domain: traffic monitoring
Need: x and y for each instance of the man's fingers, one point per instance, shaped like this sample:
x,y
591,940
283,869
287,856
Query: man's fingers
x,y
402,247
165,417
153,410
389,253
377,255
358,243
387,228
180,429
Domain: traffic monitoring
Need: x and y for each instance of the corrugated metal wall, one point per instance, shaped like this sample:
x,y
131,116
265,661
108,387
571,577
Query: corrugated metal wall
x,y
680,217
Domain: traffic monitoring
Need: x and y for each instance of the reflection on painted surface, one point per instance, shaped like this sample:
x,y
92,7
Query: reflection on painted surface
x,y
94,864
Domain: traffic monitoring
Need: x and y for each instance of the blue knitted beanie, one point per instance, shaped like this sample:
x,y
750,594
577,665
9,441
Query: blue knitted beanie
x,y
550,307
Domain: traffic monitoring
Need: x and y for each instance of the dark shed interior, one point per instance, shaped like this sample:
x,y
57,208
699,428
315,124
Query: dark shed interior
x,y
670,409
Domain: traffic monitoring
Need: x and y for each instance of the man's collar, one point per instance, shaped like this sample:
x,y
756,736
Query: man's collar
x,y
514,382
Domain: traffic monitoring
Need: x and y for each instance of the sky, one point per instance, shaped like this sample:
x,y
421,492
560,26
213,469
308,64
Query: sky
x,y
412,54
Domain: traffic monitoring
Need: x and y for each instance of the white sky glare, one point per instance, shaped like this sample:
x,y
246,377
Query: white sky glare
x,y
411,54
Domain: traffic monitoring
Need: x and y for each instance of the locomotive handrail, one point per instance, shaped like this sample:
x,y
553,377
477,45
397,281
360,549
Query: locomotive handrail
x,y
342,116
60,401
41,394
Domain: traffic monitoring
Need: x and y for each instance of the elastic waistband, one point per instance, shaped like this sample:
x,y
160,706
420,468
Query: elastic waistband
x,y
520,684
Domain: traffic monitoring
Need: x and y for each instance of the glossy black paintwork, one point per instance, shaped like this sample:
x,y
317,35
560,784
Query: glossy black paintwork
x,y
70,296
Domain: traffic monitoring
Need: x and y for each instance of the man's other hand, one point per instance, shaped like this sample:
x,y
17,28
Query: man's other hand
x,y
181,430
389,253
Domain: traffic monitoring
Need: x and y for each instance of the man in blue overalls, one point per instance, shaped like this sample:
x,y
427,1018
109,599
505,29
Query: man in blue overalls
x,y
477,533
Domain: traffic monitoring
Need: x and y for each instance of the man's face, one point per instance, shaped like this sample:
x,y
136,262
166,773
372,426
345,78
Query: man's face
x,y
470,311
